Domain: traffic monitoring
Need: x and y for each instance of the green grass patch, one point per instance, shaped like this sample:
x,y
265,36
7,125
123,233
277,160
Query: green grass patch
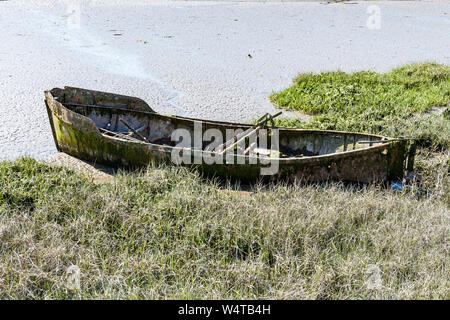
x,y
165,233
398,103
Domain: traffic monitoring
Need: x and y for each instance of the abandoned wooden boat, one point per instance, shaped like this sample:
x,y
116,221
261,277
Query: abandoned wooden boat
x,y
119,130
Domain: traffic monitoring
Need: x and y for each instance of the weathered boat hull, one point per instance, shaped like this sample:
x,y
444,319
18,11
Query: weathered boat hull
x,y
78,135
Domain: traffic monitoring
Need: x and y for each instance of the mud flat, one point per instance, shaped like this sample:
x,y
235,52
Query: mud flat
x,y
97,173
215,60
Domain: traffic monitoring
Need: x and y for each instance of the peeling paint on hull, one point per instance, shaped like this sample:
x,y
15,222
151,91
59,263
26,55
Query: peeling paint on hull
x,y
78,135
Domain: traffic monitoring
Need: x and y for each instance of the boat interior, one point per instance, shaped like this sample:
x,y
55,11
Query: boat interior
x,y
131,119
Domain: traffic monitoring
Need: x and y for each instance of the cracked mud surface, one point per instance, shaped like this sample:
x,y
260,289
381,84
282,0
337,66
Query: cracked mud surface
x,y
215,60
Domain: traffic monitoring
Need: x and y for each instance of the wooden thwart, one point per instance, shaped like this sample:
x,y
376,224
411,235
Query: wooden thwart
x,y
133,130
247,133
120,135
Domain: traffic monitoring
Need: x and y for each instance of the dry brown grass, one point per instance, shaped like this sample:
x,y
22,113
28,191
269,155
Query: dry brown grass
x,y
166,233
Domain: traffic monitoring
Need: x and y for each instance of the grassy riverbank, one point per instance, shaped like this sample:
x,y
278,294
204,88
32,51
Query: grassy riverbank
x,y
408,101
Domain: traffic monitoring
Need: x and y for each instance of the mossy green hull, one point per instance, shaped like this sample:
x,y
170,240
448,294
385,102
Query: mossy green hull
x,y
77,117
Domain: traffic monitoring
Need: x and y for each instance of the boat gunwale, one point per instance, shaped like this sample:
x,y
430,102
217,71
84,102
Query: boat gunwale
x,y
158,147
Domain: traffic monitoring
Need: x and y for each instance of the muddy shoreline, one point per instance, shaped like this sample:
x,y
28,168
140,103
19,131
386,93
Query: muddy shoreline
x,y
163,53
